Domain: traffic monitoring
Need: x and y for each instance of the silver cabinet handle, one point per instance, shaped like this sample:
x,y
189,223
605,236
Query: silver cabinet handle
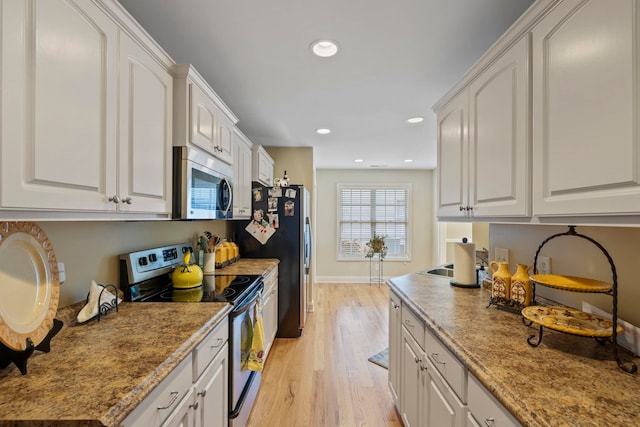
x,y
408,323
434,356
202,393
115,199
489,422
174,396
195,405
218,343
127,200
422,368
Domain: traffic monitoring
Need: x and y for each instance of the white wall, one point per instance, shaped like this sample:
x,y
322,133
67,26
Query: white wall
x,y
422,240
90,250
577,257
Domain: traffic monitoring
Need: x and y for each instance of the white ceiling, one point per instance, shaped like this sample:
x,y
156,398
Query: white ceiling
x,y
396,59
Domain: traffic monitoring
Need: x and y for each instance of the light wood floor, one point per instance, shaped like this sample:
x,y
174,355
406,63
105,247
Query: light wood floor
x,y
324,377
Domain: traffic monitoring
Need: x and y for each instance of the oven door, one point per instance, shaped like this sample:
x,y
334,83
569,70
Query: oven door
x,y
241,380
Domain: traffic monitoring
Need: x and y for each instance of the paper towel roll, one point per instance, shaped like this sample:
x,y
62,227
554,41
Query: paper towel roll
x,y
464,265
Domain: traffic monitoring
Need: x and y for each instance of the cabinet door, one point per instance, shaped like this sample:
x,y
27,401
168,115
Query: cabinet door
x,y
145,156
586,146
499,136
59,88
270,309
241,178
211,407
224,139
262,166
443,408
203,119
395,347
452,157
411,381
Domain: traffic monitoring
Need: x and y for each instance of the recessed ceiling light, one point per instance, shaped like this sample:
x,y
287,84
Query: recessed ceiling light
x,y
358,160
408,160
416,119
324,48
323,131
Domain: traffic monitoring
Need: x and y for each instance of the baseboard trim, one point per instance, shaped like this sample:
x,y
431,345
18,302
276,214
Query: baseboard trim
x,y
343,279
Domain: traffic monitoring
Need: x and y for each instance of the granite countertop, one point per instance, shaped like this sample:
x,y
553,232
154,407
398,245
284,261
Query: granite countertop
x,y
97,372
260,266
566,381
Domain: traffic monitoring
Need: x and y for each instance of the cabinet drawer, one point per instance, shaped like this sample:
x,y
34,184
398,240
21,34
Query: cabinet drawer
x,y
209,347
484,407
270,280
413,325
162,400
452,370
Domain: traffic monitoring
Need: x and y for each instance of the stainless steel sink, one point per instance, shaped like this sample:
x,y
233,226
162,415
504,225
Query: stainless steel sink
x,y
443,270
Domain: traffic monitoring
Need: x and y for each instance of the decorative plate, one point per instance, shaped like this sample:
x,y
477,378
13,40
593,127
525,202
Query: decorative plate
x,y
571,283
29,284
571,321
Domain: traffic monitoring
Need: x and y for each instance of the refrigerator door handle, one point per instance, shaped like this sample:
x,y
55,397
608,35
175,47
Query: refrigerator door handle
x,y
307,245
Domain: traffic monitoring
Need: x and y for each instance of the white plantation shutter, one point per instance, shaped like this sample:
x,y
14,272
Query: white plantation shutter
x,y
368,210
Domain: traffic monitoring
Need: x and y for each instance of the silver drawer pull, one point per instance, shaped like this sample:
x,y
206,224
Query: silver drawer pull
x,y
417,359
218,343
434,356
408,323
489,422
194,406
174,396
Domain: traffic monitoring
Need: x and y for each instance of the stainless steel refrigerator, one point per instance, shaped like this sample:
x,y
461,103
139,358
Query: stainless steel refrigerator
x,y
280,228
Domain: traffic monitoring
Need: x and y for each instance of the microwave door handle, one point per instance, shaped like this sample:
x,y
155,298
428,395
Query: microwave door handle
x,y
227,184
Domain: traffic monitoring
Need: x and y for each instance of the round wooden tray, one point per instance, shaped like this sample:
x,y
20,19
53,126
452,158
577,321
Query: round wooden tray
x,y
571,283
571,321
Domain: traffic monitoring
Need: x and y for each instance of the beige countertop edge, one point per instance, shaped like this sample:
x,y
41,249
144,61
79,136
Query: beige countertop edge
x,y
120,411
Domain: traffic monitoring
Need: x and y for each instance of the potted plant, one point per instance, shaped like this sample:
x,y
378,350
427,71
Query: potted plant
x,y
376,245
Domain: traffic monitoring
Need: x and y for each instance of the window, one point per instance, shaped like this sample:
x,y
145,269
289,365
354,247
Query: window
x,y
368,210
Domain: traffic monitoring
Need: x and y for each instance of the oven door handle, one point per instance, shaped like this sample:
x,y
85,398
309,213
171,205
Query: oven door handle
x,y
245,305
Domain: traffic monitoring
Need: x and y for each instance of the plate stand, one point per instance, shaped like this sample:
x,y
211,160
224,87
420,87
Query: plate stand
x,y
20,357
534,341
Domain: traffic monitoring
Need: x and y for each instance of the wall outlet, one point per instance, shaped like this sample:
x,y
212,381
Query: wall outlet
x,y
544,265
501,255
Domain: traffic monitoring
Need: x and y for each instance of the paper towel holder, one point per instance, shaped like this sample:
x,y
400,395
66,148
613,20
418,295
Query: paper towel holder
x,y
466,285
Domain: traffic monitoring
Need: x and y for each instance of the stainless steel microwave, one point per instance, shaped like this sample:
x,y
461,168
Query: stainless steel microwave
x,y
202,185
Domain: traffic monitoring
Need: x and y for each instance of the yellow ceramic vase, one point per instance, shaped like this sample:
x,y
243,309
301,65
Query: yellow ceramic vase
x,y
521,288
501,279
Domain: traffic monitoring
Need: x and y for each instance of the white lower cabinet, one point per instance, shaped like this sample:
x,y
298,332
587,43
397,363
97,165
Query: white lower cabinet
x,y
210,393
430,386
485,410
412,381
195,393
395,345
443,407
270,309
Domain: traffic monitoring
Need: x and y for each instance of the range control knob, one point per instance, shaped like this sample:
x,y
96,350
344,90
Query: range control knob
x,y
142,261
153,257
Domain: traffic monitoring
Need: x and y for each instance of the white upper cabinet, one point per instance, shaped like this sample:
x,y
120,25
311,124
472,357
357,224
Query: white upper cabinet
x,y
585,109
484,142
59,94
200,117
71,80
241,175
145,156
453,158
262,166
499,136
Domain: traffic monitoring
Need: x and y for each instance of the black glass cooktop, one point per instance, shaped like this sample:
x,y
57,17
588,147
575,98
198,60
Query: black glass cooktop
x,y
231,289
